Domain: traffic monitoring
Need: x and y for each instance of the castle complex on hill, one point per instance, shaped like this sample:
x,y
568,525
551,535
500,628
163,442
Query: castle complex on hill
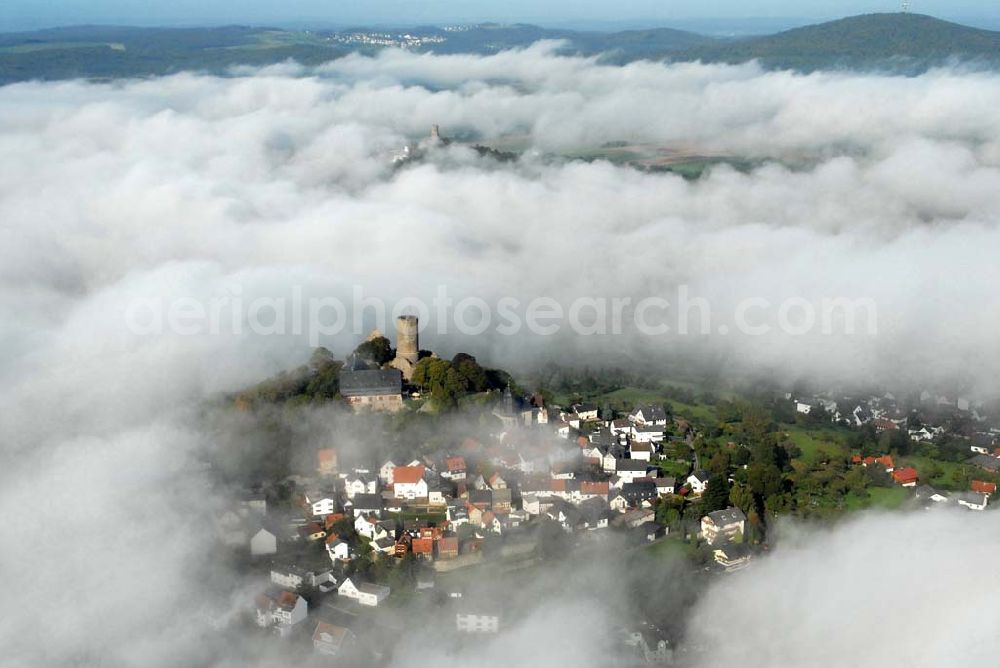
x,y
382,389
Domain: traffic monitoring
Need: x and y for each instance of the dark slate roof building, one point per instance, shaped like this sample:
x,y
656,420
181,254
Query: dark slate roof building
x,y
638,491
986,462
370,382
727,516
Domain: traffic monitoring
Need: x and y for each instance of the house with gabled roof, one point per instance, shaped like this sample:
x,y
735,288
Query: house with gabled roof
x,y
366,504
906,476
723,525
326,460
263,542
322,503
631,469
331,639
373,389
732,556
359,484
640,450
647,433
986,462
280,609
337,548
972,500
698,482
364,593
982,487
591,488
638,492
649,414
448,547
384,545
385,472
408,482
665,485
454,468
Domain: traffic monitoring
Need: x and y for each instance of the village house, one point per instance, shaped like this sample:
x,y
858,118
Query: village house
x,y
337,549
972,500
313,531
294,577
364,593
591,454
322,504
723,525
366,504
263,542
585,411
359,484
698,481
385,472
631,469
647,433
906,476
447,547
986,462
732,556
984,487
326,461
332,640
454,468
635,518
639,492
928,494
649,414
640,450
665,485
280,610
371,527
502,499
595,513
496,482
408,482
593,489
617,502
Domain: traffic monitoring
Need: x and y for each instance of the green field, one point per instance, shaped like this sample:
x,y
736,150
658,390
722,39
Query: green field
x,y
813,441
887,498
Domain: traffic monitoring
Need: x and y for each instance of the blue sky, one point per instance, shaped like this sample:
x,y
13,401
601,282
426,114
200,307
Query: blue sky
x,y
18,14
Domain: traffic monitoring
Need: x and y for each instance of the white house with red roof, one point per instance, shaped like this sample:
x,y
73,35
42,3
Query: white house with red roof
x,y
454,468
281,610
408,482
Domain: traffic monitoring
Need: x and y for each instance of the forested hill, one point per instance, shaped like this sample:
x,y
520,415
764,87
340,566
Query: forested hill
x,y
911,41
103,52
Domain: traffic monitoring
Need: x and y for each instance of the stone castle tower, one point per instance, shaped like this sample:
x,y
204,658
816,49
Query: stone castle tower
x,y
407,344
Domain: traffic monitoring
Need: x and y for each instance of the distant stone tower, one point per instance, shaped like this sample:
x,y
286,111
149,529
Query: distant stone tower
x,y
435,134
407,344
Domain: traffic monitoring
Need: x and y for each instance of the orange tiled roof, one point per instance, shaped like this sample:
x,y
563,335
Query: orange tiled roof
x,y
408,474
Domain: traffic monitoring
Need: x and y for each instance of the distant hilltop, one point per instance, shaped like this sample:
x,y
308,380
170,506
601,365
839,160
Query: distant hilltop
x,y
903,42
860,42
